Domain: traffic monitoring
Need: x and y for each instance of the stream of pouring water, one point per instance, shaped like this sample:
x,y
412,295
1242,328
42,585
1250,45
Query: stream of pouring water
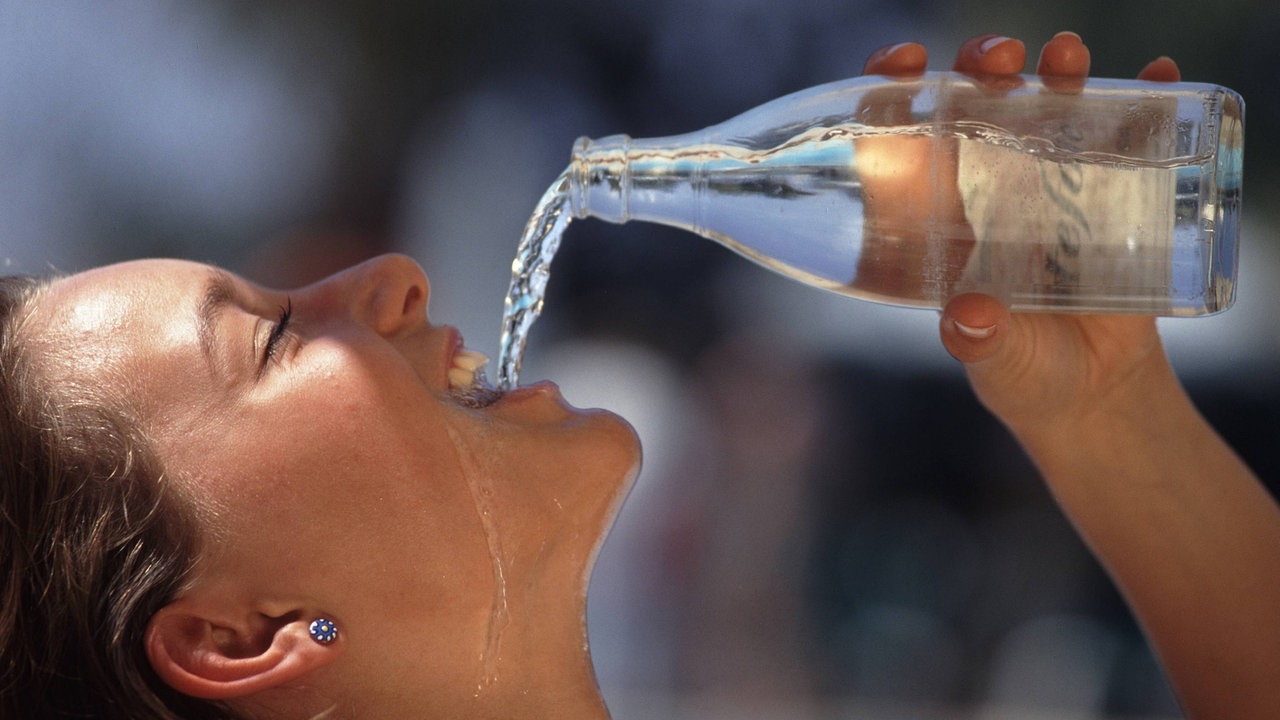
x,y
529,273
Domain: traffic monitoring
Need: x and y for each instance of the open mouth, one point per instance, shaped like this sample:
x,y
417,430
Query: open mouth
x,y
467,382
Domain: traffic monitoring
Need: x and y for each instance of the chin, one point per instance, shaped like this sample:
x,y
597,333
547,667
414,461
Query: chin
x,y
608,456
619,438
614,481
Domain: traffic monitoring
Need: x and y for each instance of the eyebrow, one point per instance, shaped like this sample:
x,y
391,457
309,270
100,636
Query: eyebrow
x,y
219,292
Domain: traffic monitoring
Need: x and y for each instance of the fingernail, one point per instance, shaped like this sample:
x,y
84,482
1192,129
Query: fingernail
x,y
895,48
1068,34
991,43
974,333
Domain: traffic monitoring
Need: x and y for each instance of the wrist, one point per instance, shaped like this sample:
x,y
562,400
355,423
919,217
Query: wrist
x,y
1117,427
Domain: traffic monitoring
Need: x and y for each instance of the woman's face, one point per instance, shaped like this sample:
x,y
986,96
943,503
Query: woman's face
x,y
333,460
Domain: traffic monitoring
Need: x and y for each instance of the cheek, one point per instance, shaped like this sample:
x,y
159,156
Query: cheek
x,y
349,468
377,461
354,413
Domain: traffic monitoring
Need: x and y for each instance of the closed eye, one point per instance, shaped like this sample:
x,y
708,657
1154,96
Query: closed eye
x,y
271,350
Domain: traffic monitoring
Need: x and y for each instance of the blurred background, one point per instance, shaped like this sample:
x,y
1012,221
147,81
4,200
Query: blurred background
x,y
828,525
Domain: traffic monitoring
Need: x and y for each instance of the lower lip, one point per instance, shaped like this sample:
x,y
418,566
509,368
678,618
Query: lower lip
x,y
544,388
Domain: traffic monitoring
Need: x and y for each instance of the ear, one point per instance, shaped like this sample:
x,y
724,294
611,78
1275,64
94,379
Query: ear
x,y
205,656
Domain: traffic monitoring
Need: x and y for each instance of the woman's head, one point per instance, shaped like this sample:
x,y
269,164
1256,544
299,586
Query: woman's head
x,y
330,467
91,541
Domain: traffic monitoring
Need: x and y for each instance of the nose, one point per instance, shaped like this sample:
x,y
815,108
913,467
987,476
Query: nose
x,y
388,293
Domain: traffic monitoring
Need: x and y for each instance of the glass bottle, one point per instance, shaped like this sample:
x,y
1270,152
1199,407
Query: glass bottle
x,y
1098,196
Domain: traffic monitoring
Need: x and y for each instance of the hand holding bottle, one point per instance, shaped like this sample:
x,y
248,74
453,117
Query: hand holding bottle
x,y
1188,533
1056,361
1055,367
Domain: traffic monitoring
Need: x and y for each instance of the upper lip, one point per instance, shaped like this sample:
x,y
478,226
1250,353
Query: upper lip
x,y
452,343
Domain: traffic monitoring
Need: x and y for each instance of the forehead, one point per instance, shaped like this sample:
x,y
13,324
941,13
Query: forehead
x,y
110,297
110,318
117,298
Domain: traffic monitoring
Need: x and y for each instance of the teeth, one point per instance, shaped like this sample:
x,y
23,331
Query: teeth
x,y
469,359
467,382
466,365
459,378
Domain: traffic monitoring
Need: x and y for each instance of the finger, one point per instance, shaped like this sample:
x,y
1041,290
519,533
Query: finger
x,y
907,59
973,327
991,55
1065,55
892,105
1064,63
1162,69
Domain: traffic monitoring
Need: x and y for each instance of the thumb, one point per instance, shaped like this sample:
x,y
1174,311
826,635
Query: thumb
x,y
973,327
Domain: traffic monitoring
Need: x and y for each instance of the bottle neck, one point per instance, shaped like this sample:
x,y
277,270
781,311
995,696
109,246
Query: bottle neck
x,y
600,178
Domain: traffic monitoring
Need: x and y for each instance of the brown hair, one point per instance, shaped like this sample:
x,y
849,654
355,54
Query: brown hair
x,y
91,544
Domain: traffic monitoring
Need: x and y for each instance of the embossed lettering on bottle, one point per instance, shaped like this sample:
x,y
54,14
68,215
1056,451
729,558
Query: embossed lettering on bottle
x,y
1085,222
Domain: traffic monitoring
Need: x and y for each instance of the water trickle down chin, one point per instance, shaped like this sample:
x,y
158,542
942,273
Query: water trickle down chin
x,y
481,488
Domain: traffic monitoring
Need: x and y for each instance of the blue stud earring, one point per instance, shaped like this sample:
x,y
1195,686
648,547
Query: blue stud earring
x,y
323,631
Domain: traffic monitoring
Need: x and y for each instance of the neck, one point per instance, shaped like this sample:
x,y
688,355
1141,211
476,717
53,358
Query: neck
x,y
540,666
542,671
533,663
543,667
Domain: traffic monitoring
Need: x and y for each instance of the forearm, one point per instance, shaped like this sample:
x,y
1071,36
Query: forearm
x,y
1187,532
